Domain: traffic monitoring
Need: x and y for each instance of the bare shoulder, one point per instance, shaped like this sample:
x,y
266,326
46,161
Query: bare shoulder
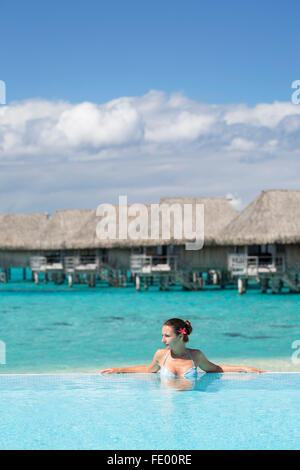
x,y
160,353
194,351
196,354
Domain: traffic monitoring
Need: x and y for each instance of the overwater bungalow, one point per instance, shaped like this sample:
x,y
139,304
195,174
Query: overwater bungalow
x,y
150,255
265,239
20,236
68,244
58,256
218,213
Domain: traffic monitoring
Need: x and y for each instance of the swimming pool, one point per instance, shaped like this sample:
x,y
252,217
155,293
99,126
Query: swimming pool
x,y
140,411
50,329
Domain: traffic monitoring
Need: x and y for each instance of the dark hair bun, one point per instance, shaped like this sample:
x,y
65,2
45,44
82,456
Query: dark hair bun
x,y
188,327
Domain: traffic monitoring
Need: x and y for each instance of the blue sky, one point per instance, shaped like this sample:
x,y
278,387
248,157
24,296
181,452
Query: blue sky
x,y
147,99
215,52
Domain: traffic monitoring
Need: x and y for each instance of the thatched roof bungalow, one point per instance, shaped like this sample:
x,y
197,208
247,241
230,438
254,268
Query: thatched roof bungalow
x,y
62,228
269,225
218,212
20,236
68,231
273,217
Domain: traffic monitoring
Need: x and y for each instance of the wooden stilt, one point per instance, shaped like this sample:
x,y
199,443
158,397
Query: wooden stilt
x,y
264,285
92,280
241,286
222,280
273,284
36,278
194,279
4,276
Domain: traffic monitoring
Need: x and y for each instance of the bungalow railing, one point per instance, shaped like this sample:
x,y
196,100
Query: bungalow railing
x,y
144,264
70,263
241,264
80,263
41,264
37,262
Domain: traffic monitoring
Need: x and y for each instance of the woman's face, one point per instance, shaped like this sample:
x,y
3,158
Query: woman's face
x,y
169,337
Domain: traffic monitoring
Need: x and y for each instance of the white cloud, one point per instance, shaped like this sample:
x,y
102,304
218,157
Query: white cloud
x,y
262,115
183,125
147,147
99,126
40,127
239,143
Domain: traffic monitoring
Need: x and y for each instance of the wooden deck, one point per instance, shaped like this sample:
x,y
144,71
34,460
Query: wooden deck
x,y
164,272
269,272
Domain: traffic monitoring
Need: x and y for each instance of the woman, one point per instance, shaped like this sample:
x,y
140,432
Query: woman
x,y
176,360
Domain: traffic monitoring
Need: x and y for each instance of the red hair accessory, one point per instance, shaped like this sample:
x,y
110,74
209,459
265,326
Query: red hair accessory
x,y
182,331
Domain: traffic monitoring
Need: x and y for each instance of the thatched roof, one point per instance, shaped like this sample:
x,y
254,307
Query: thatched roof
x,y
273,217
218,212
21,231
76,229
62,228
87,237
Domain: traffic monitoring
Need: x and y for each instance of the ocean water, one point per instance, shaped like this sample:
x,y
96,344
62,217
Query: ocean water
x,y
48,328
139,411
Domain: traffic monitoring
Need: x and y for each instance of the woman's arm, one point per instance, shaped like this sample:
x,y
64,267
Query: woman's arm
x,y
227,368
208,366
151,368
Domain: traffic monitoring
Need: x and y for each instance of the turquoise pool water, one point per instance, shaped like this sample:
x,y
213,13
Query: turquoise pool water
x,y
56,338
48,328
138,411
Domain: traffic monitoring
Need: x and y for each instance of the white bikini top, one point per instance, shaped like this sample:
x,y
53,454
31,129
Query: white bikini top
x,y
164,372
